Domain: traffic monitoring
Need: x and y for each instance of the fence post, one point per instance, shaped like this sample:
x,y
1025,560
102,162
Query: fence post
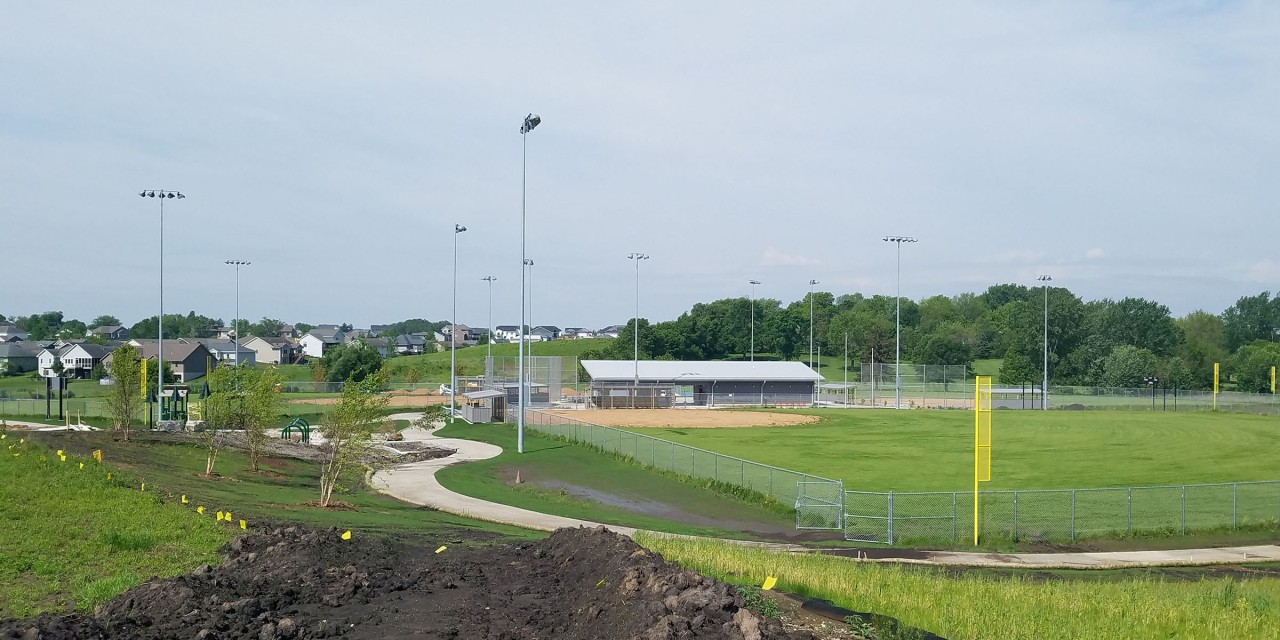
x,y
770,480
1015,516
1184,509
953,516
1073,515
891,517
715,467
1130,510
1235,500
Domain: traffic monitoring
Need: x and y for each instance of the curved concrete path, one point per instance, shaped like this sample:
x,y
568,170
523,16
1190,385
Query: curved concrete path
x,y
416,483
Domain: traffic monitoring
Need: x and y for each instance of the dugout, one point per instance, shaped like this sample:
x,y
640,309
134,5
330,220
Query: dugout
x,y
662,384
488,405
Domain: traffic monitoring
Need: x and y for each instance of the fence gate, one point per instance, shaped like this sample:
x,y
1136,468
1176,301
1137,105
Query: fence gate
x,y
819,504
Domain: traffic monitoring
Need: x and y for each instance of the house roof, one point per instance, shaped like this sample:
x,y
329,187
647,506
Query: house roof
x,y
16,350
506,327
275,341
324,335
174,350
699,371
548,327
223,346
613,328
486,393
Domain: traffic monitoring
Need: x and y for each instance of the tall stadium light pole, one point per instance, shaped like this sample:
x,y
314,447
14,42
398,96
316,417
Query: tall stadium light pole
x,y
528,347
490,280
811,284
753,318
1044,386
897,322
236,341
163,194
453,329
635,329
531,121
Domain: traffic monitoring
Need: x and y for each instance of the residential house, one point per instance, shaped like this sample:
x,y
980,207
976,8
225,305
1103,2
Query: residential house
x,y
461,333
273,350
506,333
610,331
382,345
474,334
77,360
289,331
111,332
16,357
577,333
321,339
189,360
11,333
411,344
225,352
546,332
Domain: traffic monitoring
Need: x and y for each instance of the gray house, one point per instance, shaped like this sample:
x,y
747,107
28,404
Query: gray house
x,y
16,358
667,383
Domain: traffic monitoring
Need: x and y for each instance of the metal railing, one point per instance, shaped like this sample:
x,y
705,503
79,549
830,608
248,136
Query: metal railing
x,y
817,500
1059,514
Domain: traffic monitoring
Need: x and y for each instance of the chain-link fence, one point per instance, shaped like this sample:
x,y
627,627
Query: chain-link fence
x,y
931,386
27,408
551,380
819,507
1059,515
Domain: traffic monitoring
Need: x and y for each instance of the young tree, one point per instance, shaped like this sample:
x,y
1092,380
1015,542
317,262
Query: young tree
x,y
104,321
259,406
222,410
124,398
347,431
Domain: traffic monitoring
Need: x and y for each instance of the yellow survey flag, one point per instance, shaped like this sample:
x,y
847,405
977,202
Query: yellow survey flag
x,y
346,535
200,509
59,452
144,487
3,436
108,475
62,458
442,548
219,516
243,525
184,499
769,583
97,455
82,466
227,516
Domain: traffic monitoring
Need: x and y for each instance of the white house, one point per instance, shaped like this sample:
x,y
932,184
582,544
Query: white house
x,y
610,331
321,339
272,350
224,351
78,360
506,333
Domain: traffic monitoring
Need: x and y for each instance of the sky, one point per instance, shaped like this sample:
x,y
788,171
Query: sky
x,y
1124,148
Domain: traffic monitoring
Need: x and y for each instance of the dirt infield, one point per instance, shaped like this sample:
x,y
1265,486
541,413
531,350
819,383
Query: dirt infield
x,y
687,418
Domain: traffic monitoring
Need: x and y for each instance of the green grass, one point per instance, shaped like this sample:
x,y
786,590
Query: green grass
x,y
988,368
71,539
883,449
548,460
976,606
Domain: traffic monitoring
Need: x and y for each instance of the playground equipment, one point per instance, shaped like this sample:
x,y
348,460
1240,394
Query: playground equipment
x,y
301,425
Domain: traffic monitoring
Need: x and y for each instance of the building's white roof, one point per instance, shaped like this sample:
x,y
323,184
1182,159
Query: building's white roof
x,y
699,371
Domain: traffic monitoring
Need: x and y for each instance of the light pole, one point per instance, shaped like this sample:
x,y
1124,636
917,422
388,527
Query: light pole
x,y
897,322
490,280
1044,386
811,284
528,347
1153,381
236,341
753,318
635,329
453,329
530,123
163,194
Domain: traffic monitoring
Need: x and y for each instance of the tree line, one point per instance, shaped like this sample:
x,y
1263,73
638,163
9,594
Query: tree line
x,y
1114,343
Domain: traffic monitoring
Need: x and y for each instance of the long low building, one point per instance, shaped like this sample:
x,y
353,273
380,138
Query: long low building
x,y
665,383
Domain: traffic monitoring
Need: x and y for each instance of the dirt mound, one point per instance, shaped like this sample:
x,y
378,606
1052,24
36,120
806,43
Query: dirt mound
x,y
306,583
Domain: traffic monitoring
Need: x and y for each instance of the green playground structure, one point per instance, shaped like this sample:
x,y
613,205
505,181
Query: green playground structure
x,y
302,428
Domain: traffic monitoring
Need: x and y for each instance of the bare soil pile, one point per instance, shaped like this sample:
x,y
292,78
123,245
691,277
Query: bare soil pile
x,y
306,583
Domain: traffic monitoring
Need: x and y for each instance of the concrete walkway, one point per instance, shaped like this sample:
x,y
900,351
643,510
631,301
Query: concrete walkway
x,y
416,483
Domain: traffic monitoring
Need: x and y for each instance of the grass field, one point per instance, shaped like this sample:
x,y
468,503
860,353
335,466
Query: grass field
x,y
657,502
980,606
71,538
879,450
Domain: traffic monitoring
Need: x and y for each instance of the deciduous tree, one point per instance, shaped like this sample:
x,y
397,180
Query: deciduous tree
x,y
347,429
124,397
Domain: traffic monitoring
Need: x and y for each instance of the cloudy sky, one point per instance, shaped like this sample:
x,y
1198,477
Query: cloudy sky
x,y
1126,148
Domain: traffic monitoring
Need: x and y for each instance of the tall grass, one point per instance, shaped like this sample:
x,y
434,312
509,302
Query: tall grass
x,y
973,606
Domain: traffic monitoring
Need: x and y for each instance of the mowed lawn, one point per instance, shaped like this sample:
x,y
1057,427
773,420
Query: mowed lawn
x,y
885,449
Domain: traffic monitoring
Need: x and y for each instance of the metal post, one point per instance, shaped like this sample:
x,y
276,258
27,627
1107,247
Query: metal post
x,y
1044,387
490,280
753,318
897,333
453,332
1015,516
1073,515
1235,501
811,283
530,121
635,329
1130,510
1184,508
954,515
162,194
891,517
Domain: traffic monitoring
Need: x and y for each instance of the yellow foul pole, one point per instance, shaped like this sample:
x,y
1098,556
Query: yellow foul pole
x,y
981,442
1215,386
